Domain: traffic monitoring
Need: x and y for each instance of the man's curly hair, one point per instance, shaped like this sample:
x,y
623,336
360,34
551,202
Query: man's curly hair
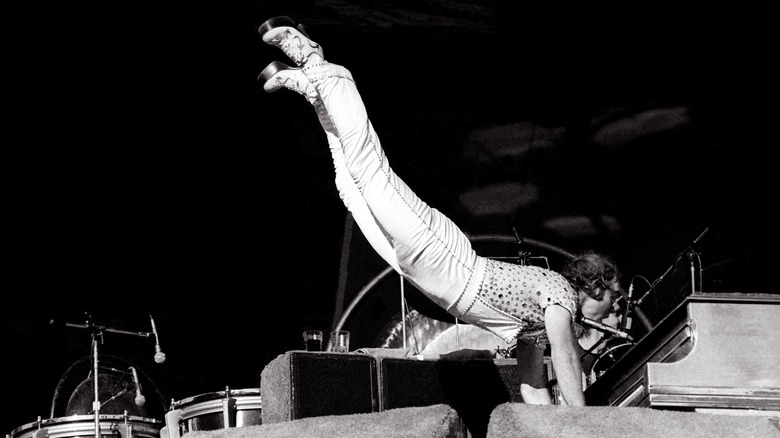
x,y
590,271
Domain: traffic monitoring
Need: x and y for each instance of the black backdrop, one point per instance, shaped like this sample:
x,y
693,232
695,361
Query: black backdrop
x,y
145,171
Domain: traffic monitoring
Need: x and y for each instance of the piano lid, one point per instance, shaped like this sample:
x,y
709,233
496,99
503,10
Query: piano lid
x,y
735,359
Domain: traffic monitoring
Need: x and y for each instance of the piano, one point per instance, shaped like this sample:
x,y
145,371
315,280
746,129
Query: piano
x,y
714,352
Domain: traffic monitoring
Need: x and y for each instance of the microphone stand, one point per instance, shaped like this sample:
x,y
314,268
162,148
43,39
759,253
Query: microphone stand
x,y
690,252
632,308
97,332
95,385
693,256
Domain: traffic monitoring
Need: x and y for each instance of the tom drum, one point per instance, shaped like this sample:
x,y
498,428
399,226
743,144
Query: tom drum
x,y
213,411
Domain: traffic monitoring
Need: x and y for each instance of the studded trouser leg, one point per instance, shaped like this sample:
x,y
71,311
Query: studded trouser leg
x,y
430,250
351,196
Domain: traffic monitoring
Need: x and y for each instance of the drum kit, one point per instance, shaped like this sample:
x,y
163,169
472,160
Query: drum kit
x,y
103,396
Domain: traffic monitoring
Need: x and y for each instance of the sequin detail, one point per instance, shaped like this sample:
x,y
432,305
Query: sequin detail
x,y
523,292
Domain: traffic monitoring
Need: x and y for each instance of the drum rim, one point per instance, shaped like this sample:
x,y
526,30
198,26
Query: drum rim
x,y
80,418
216,395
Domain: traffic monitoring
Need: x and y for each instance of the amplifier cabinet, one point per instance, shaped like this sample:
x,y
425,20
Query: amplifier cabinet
x,y
301,384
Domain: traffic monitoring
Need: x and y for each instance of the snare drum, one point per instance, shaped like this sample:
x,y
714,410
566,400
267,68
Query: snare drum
x,y
213,411
111,426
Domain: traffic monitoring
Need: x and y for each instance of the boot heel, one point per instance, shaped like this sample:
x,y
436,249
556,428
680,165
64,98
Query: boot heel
x,y
283,33
271,70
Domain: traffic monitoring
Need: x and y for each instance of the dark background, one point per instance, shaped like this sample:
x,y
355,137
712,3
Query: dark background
x,y
147,172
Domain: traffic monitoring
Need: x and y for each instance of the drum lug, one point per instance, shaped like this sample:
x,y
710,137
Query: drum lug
x,y
229,412
125,430
172,419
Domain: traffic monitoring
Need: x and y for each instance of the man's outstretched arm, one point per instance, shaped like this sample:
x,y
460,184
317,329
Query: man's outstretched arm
x,y
564,354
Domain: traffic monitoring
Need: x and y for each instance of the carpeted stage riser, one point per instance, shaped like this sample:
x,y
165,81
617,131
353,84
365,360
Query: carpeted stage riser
x,y
437,421
511,420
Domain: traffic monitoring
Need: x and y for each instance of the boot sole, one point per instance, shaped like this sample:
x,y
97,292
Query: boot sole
x,y
270,71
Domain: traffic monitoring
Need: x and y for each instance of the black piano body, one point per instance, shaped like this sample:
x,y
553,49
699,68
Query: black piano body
x,y
715,352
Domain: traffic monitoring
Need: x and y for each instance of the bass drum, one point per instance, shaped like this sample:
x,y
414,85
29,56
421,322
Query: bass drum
x,y
214,411
83,426
375,320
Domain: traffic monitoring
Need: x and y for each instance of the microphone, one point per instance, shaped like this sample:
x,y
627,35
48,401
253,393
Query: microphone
x,y
139,398
159,356
627,315
604,328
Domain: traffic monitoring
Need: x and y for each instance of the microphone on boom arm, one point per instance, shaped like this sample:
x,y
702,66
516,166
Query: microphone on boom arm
x,y
159,356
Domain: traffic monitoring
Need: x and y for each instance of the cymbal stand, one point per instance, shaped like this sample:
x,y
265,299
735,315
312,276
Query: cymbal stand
x,y
95,385
522,255
97,333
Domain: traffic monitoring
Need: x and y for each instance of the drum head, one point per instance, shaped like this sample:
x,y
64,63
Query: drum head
x,y
75,391
116,395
